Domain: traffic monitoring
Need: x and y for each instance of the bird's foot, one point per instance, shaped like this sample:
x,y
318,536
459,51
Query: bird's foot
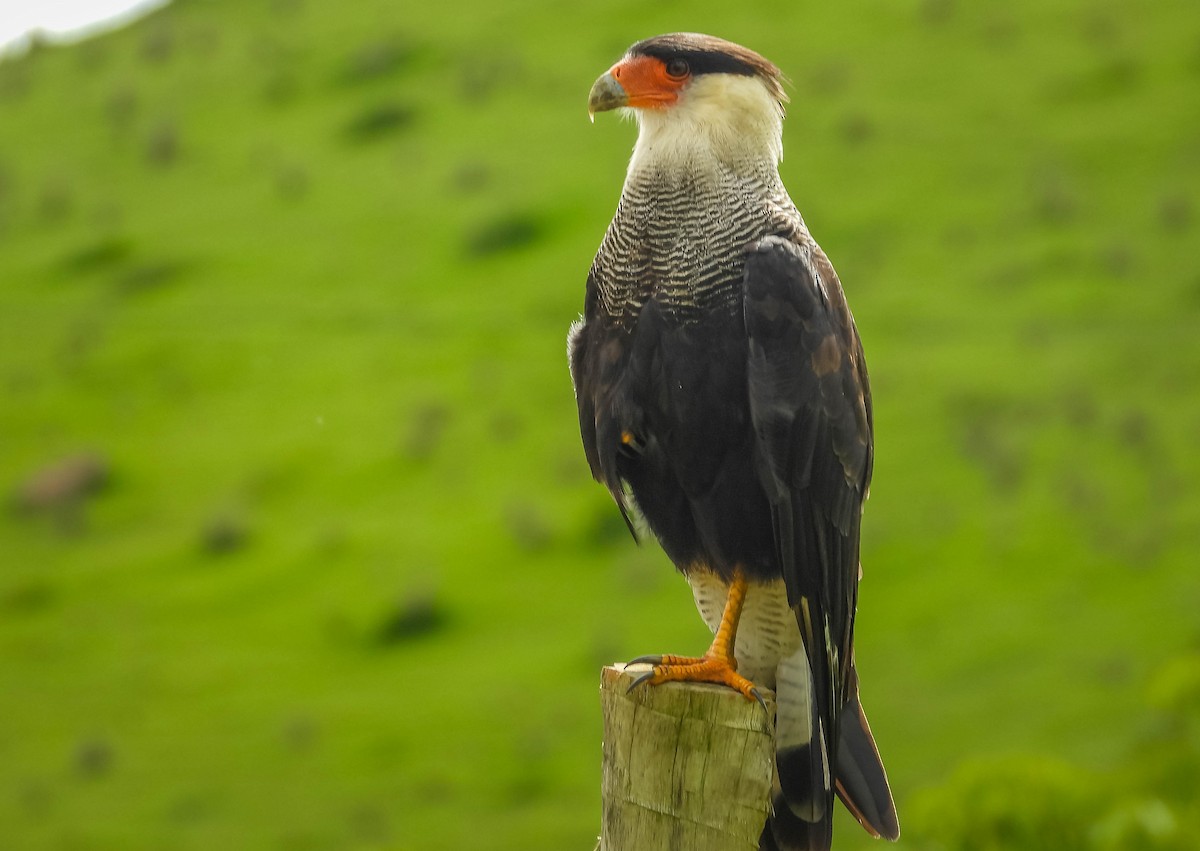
x,y
690,669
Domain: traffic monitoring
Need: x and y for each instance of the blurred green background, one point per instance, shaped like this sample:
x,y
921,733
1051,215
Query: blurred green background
x,y
300,550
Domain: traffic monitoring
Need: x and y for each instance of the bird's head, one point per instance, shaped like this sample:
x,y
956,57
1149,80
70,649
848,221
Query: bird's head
x,y
696,94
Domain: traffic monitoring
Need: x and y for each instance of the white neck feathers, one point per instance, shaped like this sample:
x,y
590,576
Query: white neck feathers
x,y
725,120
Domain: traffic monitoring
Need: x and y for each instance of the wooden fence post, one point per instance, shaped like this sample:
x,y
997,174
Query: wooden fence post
x,y
687,766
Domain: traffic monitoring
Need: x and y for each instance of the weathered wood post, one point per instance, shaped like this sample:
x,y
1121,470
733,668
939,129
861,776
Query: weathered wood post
x,y
687,766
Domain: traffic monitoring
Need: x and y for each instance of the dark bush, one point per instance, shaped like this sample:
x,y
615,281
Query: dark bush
x,y
505,233
62,484
121,108
224,533
414,615
104,253
162,144
528,527
1027,803
93,757
379,121
149,276
426,426
158,44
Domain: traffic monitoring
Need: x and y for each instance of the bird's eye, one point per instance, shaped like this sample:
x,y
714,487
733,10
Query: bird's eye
x,y
678,69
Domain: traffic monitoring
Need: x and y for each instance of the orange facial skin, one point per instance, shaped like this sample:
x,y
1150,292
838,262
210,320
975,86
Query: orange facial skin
x,y
647,82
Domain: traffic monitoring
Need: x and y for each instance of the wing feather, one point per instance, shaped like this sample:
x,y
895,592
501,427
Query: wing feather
x,y
810,412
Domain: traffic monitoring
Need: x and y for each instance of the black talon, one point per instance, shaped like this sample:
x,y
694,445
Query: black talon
x,y
645,660
759,698
641,679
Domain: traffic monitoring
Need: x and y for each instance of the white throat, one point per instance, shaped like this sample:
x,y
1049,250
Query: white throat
x,y
725,120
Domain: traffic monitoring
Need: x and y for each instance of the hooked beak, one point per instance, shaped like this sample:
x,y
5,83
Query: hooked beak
x,y
640,82
606,94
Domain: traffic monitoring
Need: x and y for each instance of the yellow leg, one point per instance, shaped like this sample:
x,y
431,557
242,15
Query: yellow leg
x,y
718,664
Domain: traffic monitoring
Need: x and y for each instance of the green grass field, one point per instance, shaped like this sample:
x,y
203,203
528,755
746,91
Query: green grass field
x,y
299,275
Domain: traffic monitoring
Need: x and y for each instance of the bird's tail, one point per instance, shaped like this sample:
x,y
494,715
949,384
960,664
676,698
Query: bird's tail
x,y
802,798
862,782
786,831
804,822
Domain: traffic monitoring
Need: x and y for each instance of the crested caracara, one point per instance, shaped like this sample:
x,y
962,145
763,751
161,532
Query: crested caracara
x,y
722,393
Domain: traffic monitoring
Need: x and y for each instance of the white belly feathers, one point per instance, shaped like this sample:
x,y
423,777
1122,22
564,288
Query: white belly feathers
x,y
767,632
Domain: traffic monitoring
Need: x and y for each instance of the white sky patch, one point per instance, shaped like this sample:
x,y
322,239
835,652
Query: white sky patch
x,y
64,20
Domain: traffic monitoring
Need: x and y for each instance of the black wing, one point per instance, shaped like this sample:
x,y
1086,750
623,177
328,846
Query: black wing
x,y
810,409
595,376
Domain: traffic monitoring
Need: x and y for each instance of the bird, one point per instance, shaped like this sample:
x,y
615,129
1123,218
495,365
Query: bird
x,y
723,398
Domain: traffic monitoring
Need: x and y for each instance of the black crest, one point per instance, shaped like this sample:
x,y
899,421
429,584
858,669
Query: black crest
x,y
706,54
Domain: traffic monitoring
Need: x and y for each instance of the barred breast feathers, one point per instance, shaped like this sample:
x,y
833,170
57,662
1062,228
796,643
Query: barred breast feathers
x,y
703,183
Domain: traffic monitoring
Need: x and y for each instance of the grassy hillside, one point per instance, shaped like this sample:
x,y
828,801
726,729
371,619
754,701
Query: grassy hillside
x,y
297,276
